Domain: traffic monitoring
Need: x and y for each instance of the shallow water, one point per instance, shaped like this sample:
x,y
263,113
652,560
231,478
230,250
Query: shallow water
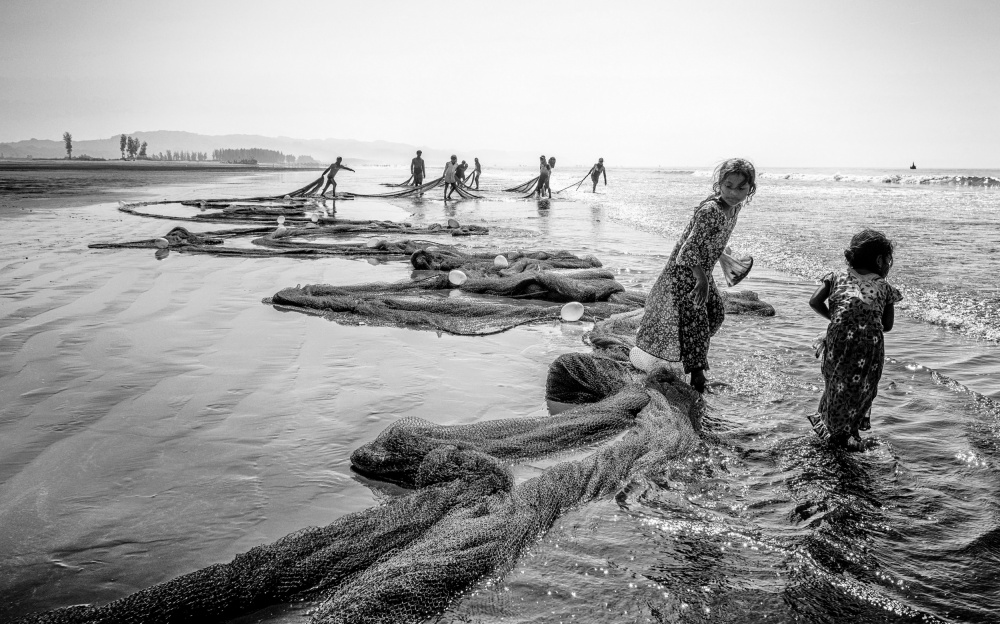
x,y
155,418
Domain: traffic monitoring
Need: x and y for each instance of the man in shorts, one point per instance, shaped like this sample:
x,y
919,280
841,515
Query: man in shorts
x,y
450,168
331,173
417,169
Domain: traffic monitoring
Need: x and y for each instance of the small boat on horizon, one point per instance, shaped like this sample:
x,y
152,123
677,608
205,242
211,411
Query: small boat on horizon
x,y
913,165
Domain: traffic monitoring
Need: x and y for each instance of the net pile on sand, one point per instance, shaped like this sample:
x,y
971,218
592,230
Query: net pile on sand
x,y
424,303
465,521
486,262
295,232
180,238
501,298
293,242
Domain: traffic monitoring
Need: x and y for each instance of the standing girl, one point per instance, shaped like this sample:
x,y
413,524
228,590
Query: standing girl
x,y
684,309
861,308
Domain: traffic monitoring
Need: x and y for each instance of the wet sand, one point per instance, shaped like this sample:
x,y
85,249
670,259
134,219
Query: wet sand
x,y
157,418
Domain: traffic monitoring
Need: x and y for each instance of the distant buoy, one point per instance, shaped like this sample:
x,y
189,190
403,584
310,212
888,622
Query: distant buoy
x,y
161,243
572,311
457,278
453,223
501,262
281,220
314,218
287,197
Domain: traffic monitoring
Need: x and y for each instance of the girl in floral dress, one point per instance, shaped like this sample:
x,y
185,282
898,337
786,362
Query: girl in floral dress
x,y
684,309
861,308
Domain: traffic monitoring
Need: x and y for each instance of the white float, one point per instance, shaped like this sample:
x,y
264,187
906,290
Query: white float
x,y
501,262
161,243
456,277
453,223
372,243
281,220
572,311
314,218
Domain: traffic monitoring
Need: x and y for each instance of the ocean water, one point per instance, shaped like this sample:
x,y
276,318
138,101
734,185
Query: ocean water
x,y
155,418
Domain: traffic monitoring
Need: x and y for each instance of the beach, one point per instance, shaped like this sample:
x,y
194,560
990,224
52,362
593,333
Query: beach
x,y
157,418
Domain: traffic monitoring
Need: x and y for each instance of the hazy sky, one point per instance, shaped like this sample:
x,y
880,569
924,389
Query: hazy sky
x,y
866,83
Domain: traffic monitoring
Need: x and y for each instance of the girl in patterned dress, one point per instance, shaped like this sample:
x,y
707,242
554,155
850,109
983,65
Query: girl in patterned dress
x,y
861,308
684,309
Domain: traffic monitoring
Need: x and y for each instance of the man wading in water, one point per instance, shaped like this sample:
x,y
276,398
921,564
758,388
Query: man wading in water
x,y
417,169
331,172
450,168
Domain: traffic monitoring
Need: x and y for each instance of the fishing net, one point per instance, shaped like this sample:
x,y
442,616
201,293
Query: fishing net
x,y
302,241
409,182
527,187
293,212
429,302
408,559
180,238
489,301
465,520
460,188
485,262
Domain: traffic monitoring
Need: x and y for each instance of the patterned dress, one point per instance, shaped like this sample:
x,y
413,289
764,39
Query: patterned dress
x,y
853,353
672,327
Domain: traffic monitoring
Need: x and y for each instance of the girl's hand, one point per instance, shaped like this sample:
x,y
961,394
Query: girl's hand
x,y
699,294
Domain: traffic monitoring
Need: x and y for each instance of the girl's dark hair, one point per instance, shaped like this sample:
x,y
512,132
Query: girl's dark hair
x,y
739,166
867,246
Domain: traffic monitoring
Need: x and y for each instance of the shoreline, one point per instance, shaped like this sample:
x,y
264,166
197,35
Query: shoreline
x,y
39,164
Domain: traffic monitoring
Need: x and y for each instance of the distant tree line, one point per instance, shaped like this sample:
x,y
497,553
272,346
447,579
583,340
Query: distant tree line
x,y
180,155
132,147
253,154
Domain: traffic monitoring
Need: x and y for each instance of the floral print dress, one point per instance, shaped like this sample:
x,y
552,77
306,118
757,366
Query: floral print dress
x,y
853,352
672,327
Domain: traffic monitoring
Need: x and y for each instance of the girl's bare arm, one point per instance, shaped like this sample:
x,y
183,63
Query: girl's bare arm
x,y
888,317
818,301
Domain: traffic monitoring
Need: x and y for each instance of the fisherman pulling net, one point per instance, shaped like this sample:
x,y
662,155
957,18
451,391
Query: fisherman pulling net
x,y
461,189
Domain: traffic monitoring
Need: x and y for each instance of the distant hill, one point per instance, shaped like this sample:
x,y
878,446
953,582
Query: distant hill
x,y
323,150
